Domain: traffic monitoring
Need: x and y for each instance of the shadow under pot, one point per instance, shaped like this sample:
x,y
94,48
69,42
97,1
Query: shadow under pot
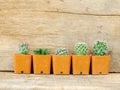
x,y
41,64
100,64
61,64
22,64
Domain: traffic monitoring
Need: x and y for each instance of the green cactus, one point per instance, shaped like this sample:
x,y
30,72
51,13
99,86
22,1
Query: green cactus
x,y
41,51
62,51
100,48
23,48
81,49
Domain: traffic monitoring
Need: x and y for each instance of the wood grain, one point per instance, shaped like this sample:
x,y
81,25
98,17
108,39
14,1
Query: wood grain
x,y
59,82
58,23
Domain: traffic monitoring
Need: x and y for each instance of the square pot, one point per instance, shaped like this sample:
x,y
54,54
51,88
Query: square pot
x,y
80,64
100,64
22,63
41,64
61,64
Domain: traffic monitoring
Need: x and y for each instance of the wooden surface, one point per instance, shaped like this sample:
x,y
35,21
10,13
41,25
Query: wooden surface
x,y
11,81
58,23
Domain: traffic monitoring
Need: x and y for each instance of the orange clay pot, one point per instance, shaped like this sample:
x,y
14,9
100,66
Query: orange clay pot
x,y
22,63
100,64
61,64
80,64
41,64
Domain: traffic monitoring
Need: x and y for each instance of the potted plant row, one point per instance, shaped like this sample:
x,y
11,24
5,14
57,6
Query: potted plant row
x,y
61,61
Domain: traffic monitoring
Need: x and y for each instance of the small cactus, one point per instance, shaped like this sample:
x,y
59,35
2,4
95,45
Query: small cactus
x,y
81,49
100,48
23,48
62,51
41,51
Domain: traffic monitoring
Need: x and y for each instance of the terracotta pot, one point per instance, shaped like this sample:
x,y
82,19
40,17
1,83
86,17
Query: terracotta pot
x,y
61,64
80,64
41,64
100,64
22,63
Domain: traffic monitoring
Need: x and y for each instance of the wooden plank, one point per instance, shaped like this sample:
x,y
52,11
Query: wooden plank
x,y
58,23
75,6
59,82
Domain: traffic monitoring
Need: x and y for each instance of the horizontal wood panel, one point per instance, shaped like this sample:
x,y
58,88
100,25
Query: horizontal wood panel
x,y
101,7
58,23
8,81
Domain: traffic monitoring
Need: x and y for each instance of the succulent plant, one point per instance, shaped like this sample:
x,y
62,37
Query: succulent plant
x,y
37,51
62,51
100,48
81,49
23,48
41,51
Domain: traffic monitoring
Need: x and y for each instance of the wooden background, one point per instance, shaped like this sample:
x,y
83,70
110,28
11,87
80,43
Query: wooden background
x,y
58,23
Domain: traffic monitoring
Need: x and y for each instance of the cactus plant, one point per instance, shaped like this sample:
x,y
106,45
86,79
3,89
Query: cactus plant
x,y
41,51
100,61
62,51
23,60
81,61
100,48
61,61
23,48
81,49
